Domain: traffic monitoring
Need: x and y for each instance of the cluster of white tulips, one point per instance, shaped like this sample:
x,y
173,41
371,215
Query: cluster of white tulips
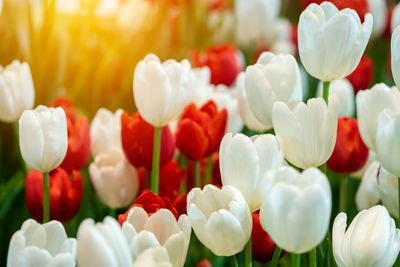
x,y
282,174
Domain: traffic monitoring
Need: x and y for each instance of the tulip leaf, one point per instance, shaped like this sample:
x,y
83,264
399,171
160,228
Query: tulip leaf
x,y
9,191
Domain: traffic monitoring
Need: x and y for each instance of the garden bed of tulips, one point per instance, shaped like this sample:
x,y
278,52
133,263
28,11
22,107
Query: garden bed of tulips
x,y
276,144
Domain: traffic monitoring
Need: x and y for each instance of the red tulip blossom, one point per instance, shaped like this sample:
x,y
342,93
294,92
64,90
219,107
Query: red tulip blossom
x,y
361,77
223,62
65,194
350,153
204,263
137,141
200,131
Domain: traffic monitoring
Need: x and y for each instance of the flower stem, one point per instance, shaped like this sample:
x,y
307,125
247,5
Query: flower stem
x,y
343,194
296,260
46,203
248,258
233,261
325,93
156,159
197,173
113,213
313,257
209,169
275,257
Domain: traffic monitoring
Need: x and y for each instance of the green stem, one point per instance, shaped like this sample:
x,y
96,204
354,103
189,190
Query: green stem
x,y
275,257
248,258
343,194
113,213
46,203
233,261
209,169
156,159
313,257
197,174
296,260
325,93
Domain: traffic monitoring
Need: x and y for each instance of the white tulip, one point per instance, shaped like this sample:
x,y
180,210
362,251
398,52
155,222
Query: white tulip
x,y
160,229
102,244
331,42
308,132
254,19
367,194
395,17
296,208
273,78
244,108
160,89
220,218
370,103
37,245
388,189
388,141
105,131
345,94
154,257
371,158
395,49
371,239
378,10
43,137
199,86
16,90
114,178
247,173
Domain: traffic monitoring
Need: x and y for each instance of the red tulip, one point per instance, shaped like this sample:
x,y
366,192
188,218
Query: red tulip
x,y
262,245
361,77
200,131
222,61
350,153
137,141
151,203
204,263
69,109
65,194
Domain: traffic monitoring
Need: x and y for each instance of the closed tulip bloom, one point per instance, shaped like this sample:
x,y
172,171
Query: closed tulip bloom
x,y
137,141
388,191
350,153
143,231
345,93
65,194
371,239
102,244
367,194
388,141
154,257
114,179
263,153
331,42
361,77
105,131
296,208
159,89
200,131
37,245
370,103
43,137
273,78
307,131
220,218
16,90
395,48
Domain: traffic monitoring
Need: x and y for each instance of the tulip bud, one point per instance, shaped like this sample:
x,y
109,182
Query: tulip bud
x,y
371,239
350,152
102,244
159,89
105,131
395,49
345,93
65,194
331,42
16,90
370,104
220,218
301,216
247,173
114,179
273,78
41,245
367,194
159,229
388,191
307,132
43,137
